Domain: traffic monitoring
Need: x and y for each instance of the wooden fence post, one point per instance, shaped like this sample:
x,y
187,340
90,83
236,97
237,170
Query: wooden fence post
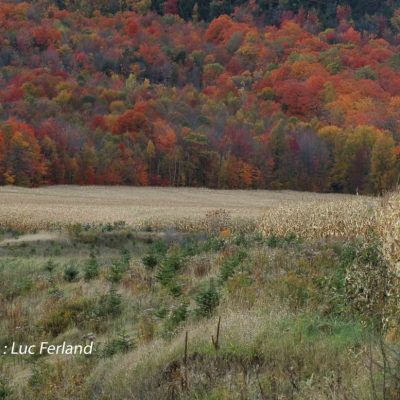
x,y
185,361
215,341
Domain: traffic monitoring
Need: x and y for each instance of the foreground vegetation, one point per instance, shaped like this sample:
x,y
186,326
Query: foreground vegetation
x,y
220,314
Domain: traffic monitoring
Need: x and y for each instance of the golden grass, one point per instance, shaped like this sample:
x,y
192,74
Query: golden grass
x,y
388,223
344,217
388,229
182,208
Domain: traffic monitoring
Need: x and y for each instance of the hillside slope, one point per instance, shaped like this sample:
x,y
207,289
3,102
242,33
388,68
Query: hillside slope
x,y
143,99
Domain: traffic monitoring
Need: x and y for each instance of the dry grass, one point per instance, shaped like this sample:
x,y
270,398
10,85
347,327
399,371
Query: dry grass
x,y
183,208
388,222
388,227
344,217
145,363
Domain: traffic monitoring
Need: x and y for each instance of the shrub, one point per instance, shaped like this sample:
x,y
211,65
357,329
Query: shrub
x,y
174,259
166,273
191,247
109,304
71,273
207,299
119,266
150,261
348,254
228,268
241,240
213,243
175,288
50,266
116,272
36,379
272,241
91,268
120,344
179,314
230,264
176,317
161,311
159,247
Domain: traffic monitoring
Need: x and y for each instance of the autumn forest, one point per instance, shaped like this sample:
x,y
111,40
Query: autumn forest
x,y
220,94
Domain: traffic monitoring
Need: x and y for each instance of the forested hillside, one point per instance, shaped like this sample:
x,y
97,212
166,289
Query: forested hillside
x,y
224,94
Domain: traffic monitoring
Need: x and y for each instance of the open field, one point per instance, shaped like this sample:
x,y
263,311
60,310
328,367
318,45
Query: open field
x,y
51,207
306,294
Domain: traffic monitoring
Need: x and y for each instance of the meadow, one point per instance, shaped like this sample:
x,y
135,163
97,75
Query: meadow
x,y
199,294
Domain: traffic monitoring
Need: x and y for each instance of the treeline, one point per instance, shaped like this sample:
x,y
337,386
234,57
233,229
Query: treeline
x,y
293,156
155,100
368,15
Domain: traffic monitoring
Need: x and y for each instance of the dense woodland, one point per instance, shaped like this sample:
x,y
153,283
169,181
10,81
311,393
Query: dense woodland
x,y
225,94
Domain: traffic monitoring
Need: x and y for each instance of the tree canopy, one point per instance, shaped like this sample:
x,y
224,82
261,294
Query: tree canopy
x,y
224,97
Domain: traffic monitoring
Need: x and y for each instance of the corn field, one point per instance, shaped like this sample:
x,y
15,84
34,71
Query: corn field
x,y
184,209
343,218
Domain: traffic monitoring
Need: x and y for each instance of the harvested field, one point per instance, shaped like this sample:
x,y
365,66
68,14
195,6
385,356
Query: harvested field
x,y
56,206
